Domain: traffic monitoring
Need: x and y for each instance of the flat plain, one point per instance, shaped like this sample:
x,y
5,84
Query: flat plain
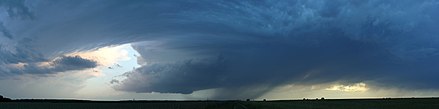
x,y
406,103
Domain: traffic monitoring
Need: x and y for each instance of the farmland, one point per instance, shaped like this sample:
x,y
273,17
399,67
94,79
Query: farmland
x,y
407,103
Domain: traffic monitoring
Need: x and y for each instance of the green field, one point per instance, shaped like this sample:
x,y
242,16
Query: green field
x,y
294,104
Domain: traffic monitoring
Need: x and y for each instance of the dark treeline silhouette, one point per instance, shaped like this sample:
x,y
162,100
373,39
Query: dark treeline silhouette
x,y
4,98
120,101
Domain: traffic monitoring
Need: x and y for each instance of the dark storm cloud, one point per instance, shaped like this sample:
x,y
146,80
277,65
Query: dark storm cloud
x,y
247,48
72,63
242,47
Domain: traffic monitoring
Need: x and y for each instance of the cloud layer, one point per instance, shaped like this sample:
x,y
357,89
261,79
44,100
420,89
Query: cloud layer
x,y
251,47
60,64
238,47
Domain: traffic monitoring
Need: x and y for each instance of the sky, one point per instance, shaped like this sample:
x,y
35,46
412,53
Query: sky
x,y
218,49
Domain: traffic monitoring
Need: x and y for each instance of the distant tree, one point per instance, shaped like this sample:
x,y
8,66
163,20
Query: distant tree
x,y
322,98
248,100
4,98
264,100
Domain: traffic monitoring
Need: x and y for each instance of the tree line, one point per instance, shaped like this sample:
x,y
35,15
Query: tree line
x,y
4,98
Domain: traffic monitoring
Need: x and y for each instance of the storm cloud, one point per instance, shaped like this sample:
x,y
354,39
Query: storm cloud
x,y
61,64
238,47
248,48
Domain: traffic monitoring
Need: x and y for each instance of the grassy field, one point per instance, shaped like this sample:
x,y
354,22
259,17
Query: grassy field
x,y
348,104
117,105
294,104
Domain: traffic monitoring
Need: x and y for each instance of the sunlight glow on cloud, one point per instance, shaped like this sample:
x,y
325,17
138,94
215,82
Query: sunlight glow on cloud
x,y
364,90
52,66
105,56
120,58
357,87
88,83
19,65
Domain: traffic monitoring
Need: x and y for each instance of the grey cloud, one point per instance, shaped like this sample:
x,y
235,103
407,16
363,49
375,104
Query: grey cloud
x,y
71,63
4,31
16,8
182,74
21,43
114,81
268,44
20,54
65,63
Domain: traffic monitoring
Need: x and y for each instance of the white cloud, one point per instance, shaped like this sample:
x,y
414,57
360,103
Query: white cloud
x,y
105,56
340,91
90,83
357,87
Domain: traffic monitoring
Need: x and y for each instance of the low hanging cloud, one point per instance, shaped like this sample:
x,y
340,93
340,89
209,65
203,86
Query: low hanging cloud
x,y
358,87
238,46
75,62
61,64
